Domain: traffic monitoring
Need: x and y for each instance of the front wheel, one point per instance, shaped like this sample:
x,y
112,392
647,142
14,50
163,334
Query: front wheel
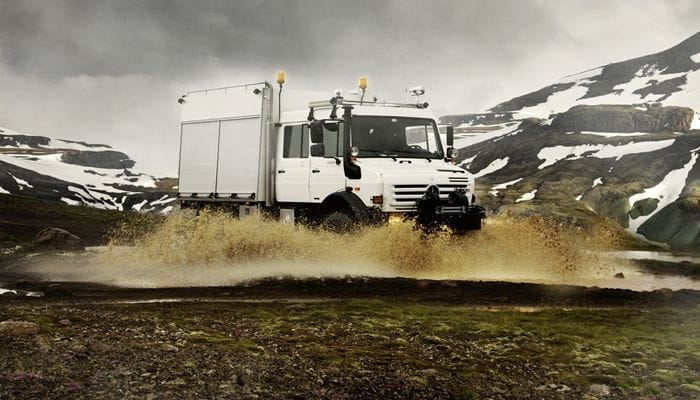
x,y
473,223
338,221
466,224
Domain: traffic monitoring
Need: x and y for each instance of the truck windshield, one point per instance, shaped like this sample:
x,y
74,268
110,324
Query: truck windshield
x,y
396,137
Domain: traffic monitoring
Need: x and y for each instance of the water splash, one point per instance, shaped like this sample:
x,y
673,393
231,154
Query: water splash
x,y
215,244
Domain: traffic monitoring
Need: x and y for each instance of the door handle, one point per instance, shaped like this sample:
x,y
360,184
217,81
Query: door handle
x,y
315,171
281,171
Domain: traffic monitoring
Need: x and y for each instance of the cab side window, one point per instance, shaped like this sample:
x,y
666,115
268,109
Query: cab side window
x,y
296,141
333,139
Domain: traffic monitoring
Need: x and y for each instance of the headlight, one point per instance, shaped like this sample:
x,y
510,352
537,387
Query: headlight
x,y
395,218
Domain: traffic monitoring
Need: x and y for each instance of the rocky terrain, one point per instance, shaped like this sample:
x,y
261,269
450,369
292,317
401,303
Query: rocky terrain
x,y
350,338
620,141
78,173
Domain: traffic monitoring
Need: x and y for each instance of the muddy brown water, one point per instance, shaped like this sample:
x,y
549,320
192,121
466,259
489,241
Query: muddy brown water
x,y
215,250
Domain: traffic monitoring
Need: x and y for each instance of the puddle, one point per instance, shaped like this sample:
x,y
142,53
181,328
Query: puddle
x,y
218,300
15,292
88,267
655,255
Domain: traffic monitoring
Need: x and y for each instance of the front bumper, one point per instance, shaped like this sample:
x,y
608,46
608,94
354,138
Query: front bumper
x,y
455,213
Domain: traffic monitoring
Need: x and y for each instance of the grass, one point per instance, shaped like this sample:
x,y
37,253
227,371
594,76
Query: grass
x,y
22,217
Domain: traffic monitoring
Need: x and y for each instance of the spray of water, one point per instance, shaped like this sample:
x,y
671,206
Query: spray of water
x,y
214,248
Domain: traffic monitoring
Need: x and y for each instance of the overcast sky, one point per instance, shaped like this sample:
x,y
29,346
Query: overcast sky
x,y
111,71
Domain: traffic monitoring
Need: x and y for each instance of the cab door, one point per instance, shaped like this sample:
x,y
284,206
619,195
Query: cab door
x,y
326,173
292,169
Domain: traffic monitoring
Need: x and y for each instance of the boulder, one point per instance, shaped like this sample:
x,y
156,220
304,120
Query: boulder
x,y
98,159
57,239
625,119
599,390
19,328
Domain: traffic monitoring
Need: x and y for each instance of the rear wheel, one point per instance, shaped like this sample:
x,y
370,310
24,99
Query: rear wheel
x,y
338,221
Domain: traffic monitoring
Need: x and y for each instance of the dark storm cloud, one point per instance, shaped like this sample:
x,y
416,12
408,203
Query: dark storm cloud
x,y
67,38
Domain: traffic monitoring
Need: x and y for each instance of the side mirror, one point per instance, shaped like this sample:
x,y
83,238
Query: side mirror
x,y
450,136
318,150
316,128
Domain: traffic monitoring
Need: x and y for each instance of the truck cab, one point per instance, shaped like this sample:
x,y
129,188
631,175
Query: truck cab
x,y
339,163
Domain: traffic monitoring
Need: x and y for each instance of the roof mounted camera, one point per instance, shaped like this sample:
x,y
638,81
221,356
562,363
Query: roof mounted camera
x,y
416,90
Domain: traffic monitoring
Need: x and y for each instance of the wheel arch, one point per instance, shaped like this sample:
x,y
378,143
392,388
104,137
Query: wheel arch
x,y
342,200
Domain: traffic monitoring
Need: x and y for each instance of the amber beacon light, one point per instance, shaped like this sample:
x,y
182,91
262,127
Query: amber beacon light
x,y
281,77
362,83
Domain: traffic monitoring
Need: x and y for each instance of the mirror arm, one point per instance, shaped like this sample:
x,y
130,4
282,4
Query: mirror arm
x,y
352,170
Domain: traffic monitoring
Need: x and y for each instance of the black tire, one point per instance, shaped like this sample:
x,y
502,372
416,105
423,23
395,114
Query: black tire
x,y
339,221
473,223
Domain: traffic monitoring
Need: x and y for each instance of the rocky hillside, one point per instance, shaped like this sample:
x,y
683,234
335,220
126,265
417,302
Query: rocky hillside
x,y
622,140
78,173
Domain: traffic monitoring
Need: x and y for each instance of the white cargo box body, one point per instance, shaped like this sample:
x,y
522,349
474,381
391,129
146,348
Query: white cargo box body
x,y
223,142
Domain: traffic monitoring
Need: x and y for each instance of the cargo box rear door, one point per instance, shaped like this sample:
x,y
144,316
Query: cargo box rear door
x,y
199,142
239,154
221,153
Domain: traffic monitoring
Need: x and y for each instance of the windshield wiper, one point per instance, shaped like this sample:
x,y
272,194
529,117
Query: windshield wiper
x,y
417,154
381,153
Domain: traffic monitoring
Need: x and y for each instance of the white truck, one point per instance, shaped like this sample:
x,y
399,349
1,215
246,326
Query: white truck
x,y
339,162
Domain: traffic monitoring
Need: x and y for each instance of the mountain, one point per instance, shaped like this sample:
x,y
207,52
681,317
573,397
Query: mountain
x,y
78,173
622,140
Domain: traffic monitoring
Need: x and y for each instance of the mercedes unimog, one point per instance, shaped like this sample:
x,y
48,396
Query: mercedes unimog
x,y
338,162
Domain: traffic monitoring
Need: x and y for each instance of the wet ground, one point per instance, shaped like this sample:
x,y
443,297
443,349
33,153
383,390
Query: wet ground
x,y
321,335
100,266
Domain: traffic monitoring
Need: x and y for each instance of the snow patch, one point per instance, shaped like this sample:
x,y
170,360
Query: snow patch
x,y
167,210
695,58
137,207
467,162
597,181
21,182
579,197
494,166
501,186
666,192
527,196
557,102
163,200
614,134
71,201
465,140
2,190
552,155
621,94
585,75
696,122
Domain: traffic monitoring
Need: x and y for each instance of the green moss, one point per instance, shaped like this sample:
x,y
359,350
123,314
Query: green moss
x,y
227,343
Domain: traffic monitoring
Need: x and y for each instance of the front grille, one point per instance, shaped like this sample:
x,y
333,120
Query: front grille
x,y
404,197
460,179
